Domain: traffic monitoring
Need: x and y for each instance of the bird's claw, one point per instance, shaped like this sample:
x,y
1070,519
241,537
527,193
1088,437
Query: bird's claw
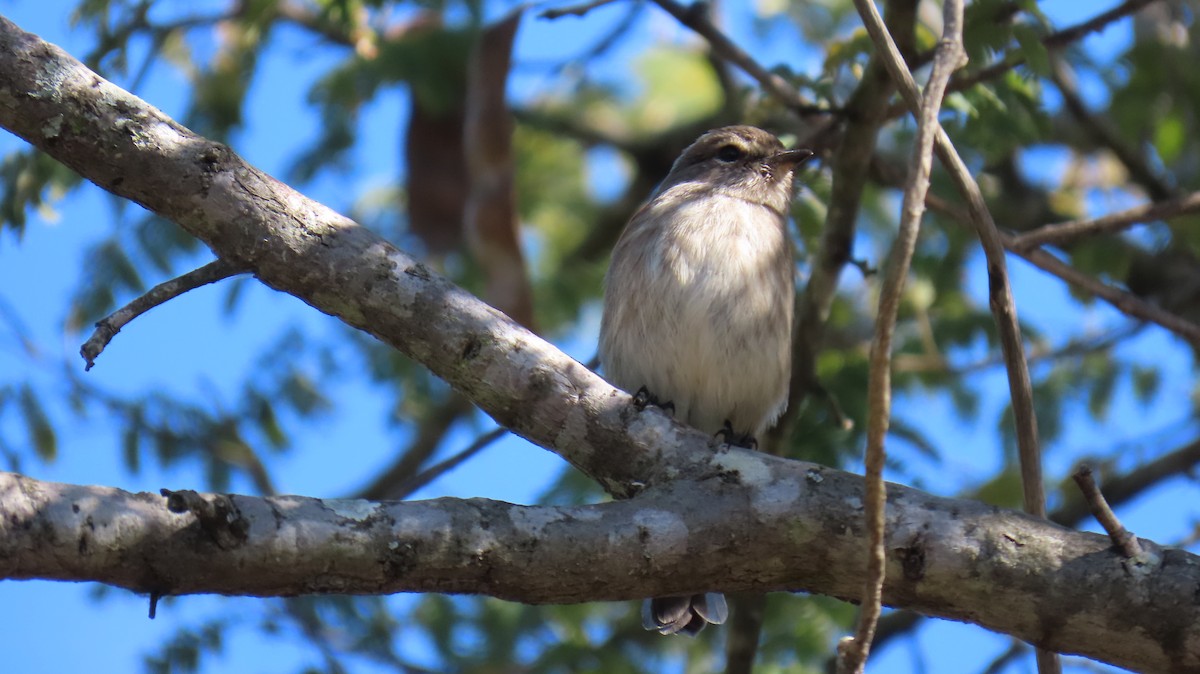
x,y
732,437
644,398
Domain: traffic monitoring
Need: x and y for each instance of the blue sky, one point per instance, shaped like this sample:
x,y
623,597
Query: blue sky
x,y
192,345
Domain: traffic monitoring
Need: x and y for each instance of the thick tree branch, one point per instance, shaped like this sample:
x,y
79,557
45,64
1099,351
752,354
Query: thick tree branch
x,y
788,522
1118,489
298,246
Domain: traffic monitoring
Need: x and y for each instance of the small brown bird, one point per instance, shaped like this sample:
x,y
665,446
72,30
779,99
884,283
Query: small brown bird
x,y
698,305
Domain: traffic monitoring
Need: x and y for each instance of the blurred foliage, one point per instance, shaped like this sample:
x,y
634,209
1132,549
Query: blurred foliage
x,y
595,132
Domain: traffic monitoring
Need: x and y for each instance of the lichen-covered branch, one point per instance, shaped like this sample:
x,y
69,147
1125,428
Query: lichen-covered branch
x,y
761,524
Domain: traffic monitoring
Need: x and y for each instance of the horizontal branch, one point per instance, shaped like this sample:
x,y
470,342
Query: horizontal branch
x,y
788,521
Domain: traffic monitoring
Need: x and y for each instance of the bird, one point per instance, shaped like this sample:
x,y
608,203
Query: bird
x,y
698,306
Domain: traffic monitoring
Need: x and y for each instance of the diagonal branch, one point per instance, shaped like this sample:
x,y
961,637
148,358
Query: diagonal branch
x,y
110,325
1003,307
1066,232
301,247
1053,41
1124,301
694,17
1106,134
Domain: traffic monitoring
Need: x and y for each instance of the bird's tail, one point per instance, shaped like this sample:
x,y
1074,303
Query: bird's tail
x,y
688,614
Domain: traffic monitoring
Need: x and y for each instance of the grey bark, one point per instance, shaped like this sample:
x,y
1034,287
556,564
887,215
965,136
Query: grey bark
x,y
759,523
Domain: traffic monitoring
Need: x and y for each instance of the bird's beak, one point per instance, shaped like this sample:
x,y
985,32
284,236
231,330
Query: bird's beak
x,y
789,158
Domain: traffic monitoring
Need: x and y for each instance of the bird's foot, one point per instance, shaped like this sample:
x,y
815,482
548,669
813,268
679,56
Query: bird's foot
x,y
644,398
732,437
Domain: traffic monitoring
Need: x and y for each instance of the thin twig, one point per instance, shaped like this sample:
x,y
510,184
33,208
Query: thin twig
x,y
573,10
1079,346
1121,537
388,484
110,325
1124,488
1095,24
1015,650
949,57
408,487
1105,133
1126,302
1000,294
1066,232
1001,300
1056,40
1122,300
694,17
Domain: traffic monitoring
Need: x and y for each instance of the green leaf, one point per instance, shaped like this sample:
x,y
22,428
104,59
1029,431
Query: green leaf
x,y
1031,49
1169,138
37,422
131,446
1146,381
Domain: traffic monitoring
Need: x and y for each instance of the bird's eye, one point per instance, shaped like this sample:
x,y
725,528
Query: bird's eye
x,y
729,153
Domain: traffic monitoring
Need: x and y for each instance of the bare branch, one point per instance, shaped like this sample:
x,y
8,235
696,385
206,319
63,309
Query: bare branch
x,y
410,486
1056,40
1095,24
1123,488
390,483
1078,346
1106,134
849,165
1001,301
1066,232
1120,489
1122,300
573,10
1124,541
110,325
950,56
1034,582
694,17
